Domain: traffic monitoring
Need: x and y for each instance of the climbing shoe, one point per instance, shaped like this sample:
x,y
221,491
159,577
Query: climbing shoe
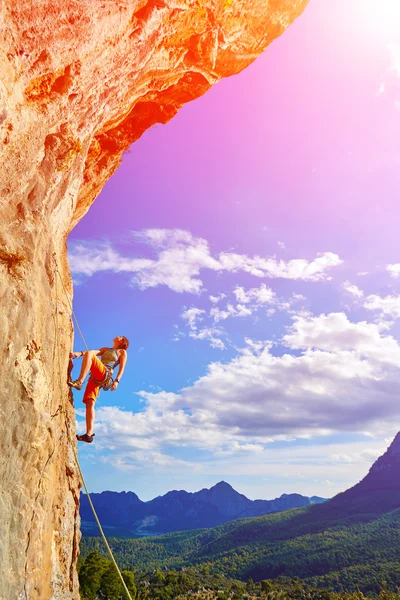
x,y
85,438
77,385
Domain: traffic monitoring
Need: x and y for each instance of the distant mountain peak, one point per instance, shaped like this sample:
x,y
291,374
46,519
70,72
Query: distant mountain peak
x,y
379,490
389,461
222,485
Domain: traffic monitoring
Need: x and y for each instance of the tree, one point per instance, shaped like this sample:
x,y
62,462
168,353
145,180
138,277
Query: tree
x,y
266,586
90,575
111,585
129,579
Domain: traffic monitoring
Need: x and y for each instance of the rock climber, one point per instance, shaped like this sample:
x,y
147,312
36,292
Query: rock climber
x,y
101,371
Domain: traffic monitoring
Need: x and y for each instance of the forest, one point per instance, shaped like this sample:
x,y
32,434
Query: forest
x,y
98,579
350,554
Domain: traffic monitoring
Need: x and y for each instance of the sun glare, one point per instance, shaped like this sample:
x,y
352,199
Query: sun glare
x,y
384,15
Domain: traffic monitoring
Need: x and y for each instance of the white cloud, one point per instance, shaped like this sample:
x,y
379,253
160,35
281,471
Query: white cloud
x,y
297,268
389,306
260,295
249,301
243,311
344,380
180,257
352,289
304,467
236,448
254,346
87,260
367,455
212,334
218,298
394,269
132,460
252,300
239,310
337,336
178,334
298,297
192,315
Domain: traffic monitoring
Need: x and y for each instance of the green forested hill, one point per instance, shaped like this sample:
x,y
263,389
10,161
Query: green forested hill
x,y
353,552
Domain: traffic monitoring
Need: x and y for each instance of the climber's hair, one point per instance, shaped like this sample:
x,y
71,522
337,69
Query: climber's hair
x,y
123,342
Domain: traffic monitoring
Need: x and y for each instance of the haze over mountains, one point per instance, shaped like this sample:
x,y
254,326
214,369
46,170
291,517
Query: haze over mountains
x,y
125,515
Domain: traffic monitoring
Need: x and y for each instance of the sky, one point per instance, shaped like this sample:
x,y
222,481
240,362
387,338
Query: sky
x,y
250,251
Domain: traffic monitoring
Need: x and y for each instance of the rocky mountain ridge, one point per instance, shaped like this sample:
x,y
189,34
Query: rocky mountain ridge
x,y
179,510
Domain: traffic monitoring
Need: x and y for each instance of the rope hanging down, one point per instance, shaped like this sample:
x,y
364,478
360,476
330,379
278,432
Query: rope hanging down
x,y
57,272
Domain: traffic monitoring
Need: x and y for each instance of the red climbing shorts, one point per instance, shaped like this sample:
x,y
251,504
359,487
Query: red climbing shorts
x,y
98,371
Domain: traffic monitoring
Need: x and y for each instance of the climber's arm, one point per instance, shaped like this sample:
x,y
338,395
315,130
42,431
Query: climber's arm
x,y
123,357
81,353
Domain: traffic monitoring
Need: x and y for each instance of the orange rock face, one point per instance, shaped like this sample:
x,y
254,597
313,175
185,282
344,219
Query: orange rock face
x,y
80,80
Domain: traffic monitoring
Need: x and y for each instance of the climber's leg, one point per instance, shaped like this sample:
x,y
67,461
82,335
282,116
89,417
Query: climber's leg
x,y
86,364
89,363
89,398
89,416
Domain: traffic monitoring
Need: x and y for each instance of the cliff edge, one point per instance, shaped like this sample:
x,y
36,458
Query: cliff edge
x,y
79,82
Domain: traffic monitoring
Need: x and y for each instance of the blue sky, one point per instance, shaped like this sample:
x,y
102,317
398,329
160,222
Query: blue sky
x,y
249,250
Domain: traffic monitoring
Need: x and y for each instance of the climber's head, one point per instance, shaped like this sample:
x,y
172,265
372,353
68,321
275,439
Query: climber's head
x,y
121,342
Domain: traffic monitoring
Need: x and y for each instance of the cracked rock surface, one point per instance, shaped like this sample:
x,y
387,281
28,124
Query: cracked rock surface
x,y
80,80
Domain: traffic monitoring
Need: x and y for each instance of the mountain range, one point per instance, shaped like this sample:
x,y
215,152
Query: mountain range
x,y
347,543
123,514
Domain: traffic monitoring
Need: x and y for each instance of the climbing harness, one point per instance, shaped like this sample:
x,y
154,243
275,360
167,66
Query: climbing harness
x,y
107,382
61,409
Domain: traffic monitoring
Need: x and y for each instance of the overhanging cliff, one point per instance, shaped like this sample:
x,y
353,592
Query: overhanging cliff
x,y
80,81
